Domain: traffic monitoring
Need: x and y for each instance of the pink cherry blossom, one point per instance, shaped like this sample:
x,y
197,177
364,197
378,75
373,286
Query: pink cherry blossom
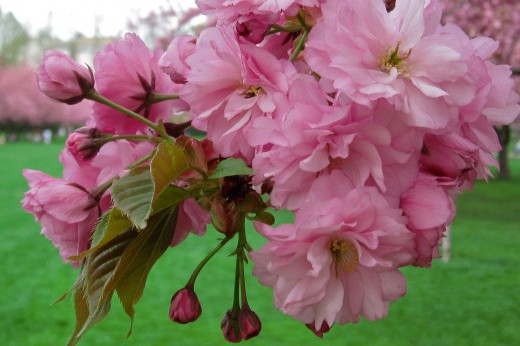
x,y
314,137
370,54
173,61
134,69
229,85
191,219
114,158
429,209
78,171
339,259
63,79
231,11
65,210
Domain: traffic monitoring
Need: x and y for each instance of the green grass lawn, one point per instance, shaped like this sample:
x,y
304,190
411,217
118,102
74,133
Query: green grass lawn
x,y
472,300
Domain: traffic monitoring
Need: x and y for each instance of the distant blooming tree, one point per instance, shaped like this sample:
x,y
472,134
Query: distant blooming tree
x,y
22,103
365,119
500,20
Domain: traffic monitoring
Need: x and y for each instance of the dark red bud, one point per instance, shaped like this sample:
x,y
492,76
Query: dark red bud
x,y
219,217
176,130
82,145
319,332
249,323
185,306
230,327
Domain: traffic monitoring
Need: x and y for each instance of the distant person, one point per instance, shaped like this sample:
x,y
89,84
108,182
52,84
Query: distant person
x,y
516,150
47,136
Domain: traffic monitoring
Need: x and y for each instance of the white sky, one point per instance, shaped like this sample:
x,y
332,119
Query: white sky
x,y
70,16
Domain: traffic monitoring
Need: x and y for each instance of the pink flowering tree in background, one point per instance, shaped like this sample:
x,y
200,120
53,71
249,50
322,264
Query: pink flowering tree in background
x,y
161,24
23,106
365,119
500,20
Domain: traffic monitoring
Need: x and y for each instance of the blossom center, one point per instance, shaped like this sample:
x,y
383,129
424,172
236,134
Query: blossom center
x,y
252,91
344,255
392,58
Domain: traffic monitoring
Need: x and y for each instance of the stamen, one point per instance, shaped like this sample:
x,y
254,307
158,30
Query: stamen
x,y
391,59
344,255
252,91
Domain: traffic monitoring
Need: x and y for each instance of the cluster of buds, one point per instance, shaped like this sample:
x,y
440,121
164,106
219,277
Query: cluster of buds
x,y
240,326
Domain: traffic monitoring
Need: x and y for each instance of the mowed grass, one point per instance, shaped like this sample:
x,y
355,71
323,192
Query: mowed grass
x,y
472,300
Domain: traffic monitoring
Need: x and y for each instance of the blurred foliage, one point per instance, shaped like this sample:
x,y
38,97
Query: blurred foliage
x,y
14,38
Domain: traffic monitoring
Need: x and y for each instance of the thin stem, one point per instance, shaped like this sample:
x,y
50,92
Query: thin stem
x,y
236,293
138,138
100,190
241,258
243,280
164,97
141,160
277,28
94,96
300,45
191,281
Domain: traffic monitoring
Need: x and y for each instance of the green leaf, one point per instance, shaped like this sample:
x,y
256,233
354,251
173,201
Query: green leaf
x,y
138,259
133,194
229,167
264,217
171,195
82,313
120,265
167,165
96,274
111,224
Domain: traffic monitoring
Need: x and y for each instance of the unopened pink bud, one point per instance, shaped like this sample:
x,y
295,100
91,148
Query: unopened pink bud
x,y
252,30
249,323
81,144
230,327
185,306
319,332
63,79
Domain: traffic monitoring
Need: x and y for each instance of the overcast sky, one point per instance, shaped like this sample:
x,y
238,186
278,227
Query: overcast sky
x,y
70,16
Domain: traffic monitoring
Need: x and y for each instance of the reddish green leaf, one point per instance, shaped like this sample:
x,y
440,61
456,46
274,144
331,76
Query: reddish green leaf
x,y
229,167
133,194
168,163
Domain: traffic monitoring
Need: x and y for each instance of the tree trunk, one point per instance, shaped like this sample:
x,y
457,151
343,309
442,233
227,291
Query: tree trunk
x,y
504,136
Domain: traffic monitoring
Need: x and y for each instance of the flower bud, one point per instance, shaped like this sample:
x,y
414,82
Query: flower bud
x,y
230,327
185,306
249,323
319,332
220,218
81,144
252,30
63,79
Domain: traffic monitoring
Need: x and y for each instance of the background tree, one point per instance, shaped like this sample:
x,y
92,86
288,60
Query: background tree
x,y
13,39
500,20
24,107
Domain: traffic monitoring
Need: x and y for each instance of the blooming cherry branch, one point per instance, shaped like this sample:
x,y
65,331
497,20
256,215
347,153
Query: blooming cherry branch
x,y
364,119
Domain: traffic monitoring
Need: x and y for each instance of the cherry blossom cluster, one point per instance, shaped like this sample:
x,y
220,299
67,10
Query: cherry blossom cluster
x,y
363,118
